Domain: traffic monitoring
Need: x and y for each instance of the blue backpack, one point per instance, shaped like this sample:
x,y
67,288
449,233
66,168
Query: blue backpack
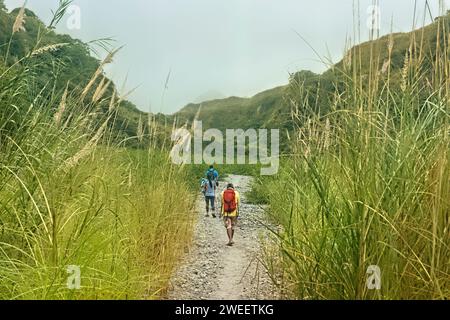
x,y
212,174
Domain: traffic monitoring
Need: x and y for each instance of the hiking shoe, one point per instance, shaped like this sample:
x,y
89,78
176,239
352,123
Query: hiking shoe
x,y
214,216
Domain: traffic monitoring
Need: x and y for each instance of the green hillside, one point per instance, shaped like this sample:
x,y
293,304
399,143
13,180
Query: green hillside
x,y
57,62
266,109
61,61
272,108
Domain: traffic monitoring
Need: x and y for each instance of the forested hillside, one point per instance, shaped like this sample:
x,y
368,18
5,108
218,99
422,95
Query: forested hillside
x,y
61,62
273,108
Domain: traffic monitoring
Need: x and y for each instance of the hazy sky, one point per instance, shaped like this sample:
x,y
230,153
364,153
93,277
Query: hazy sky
x,y
220,48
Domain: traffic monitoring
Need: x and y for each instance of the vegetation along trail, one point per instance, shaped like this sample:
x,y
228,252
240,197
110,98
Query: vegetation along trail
x,y
211,270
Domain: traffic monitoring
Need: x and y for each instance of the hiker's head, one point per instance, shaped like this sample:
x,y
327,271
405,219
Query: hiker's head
x,y
211,167
230,186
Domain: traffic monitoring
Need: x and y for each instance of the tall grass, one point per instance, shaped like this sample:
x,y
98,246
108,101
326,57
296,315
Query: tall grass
x,y
69,195
368,183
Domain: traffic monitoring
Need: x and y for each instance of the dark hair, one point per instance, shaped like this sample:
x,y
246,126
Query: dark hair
x,y
230,186
211,167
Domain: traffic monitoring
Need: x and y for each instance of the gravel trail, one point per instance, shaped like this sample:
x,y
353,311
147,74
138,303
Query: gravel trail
x,y
214,271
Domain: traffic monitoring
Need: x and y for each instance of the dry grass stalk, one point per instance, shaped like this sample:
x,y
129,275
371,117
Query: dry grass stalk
x,y
98,72
62,107
49,48
112,102
140,130
405,72
101,89
19,23
88,148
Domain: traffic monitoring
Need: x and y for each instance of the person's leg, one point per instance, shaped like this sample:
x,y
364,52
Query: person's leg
x,y
213,206
207,206
233,225
229,230
219,207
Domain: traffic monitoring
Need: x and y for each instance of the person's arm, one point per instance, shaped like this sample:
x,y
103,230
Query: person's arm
x,y
238,204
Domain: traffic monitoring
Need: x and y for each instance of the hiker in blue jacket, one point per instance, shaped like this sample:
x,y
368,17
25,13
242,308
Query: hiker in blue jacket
x,y
209,190
214,173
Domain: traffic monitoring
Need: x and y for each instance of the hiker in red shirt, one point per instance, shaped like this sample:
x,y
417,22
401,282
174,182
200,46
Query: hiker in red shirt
x,y
230,211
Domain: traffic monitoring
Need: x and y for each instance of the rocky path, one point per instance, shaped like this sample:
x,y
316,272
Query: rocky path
x,y
212,270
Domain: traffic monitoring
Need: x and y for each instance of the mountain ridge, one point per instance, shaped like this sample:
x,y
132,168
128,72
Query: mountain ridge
x,y
271,108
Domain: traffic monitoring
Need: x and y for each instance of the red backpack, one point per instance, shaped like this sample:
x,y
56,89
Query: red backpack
x,y
229,201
